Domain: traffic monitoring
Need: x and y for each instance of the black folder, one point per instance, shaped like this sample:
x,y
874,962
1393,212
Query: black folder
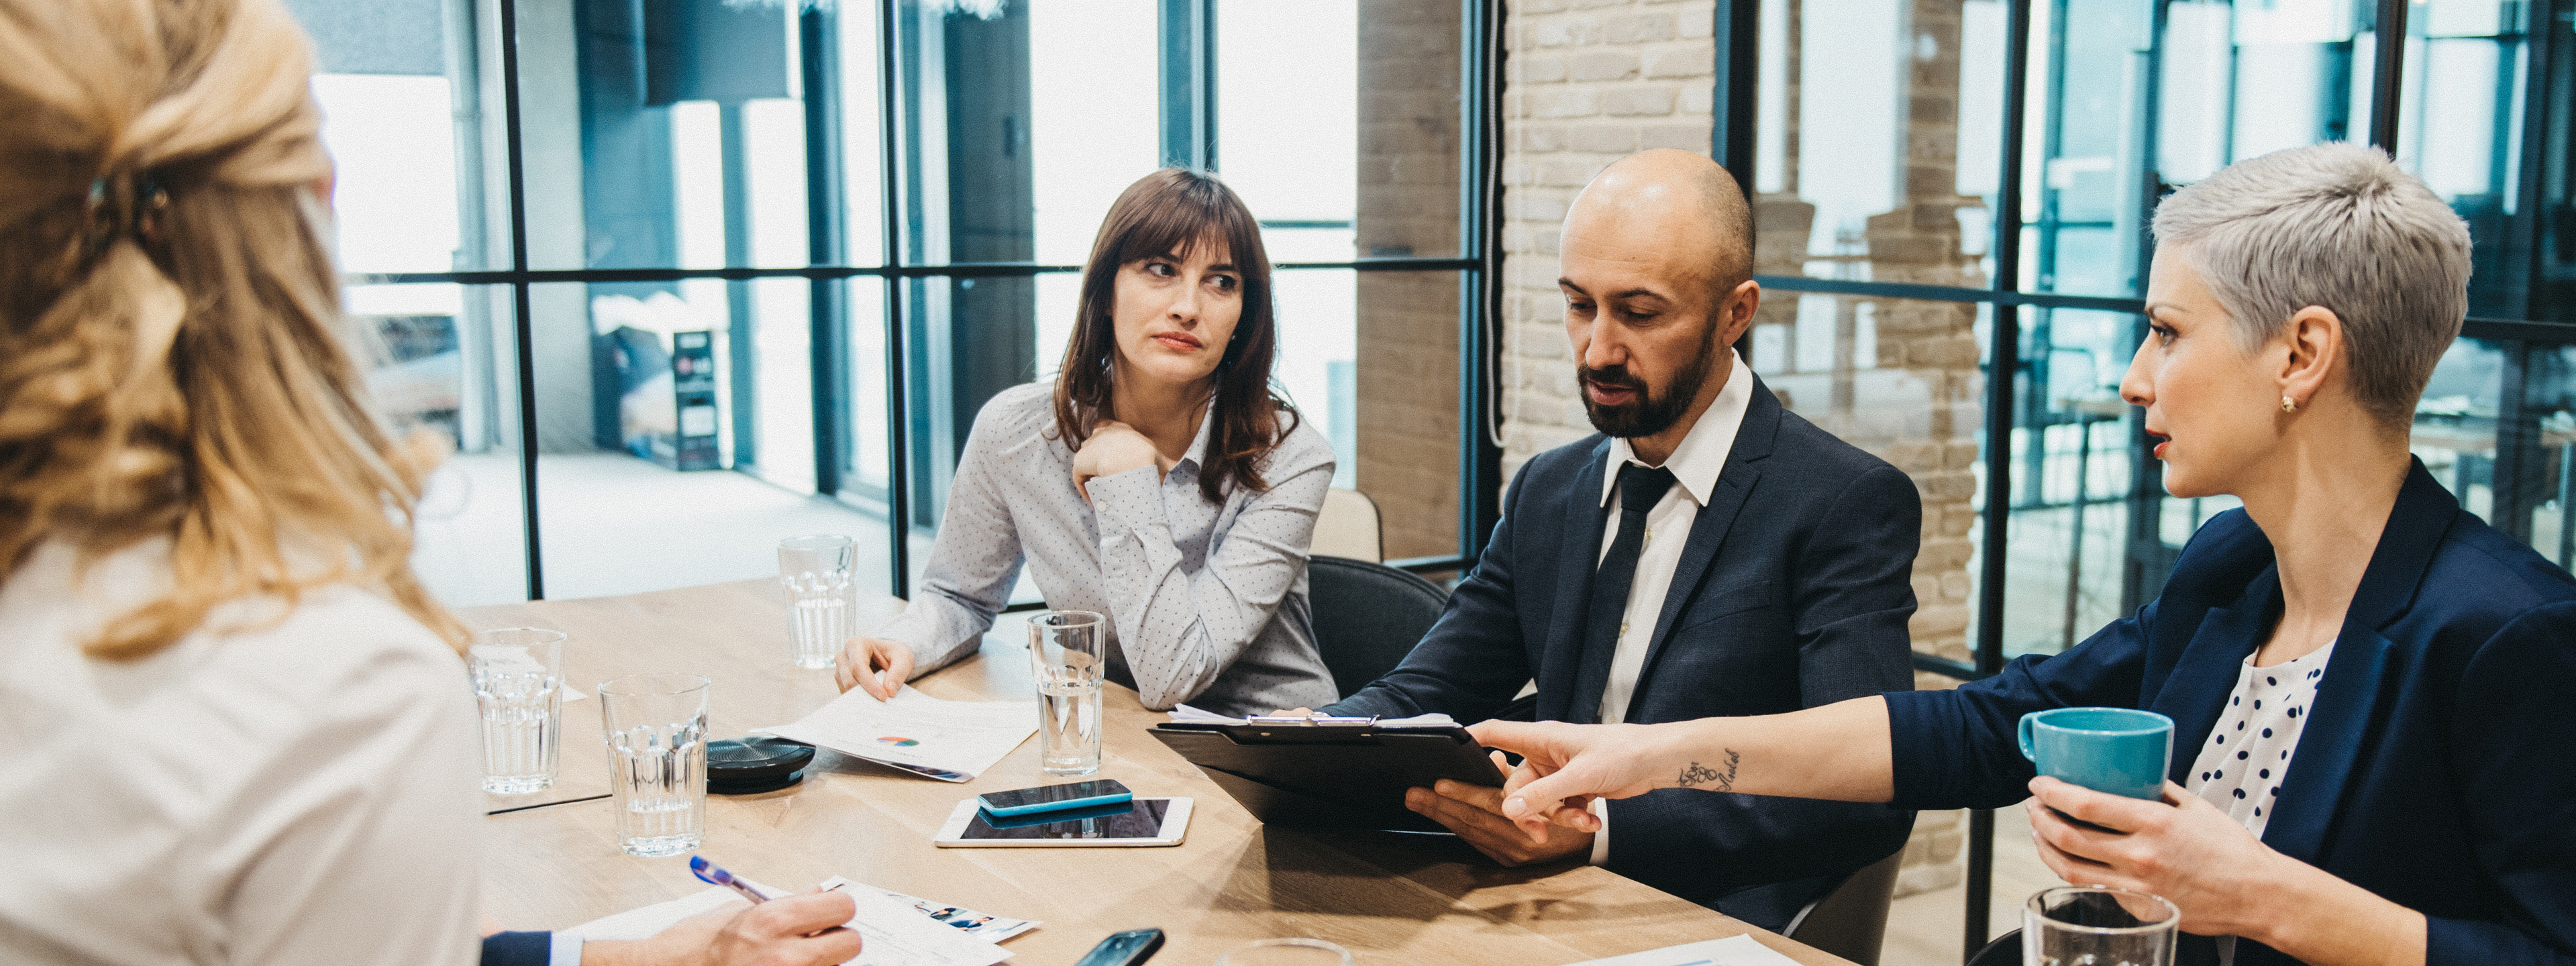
x,y
1331,776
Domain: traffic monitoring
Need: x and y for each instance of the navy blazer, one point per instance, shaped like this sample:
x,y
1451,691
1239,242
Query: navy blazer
x,y
518,949
2438,769
1793,592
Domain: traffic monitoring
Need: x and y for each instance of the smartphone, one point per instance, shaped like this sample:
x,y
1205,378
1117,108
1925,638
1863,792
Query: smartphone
x,y
1128,948
1059,816
1142,822
1049,798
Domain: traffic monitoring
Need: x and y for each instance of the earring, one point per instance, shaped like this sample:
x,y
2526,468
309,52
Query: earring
x,y
2289,405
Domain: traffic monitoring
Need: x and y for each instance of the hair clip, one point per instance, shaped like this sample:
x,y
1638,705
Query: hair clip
x,y
111,214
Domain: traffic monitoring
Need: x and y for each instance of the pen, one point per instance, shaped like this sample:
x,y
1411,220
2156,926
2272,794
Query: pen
x,y
716,875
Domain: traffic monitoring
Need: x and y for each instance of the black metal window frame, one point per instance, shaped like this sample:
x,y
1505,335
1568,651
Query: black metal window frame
x,y
1188,35
1738,40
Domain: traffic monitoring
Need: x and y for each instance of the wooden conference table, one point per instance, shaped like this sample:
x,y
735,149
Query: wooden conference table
x,y
1390,899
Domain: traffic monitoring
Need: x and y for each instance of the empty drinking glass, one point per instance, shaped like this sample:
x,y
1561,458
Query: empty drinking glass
x,y
816,571
1286,952
1064,654
2097,926
518,681
657,761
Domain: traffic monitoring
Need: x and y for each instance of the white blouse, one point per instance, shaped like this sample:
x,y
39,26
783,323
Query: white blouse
x,y
2241,767
302,789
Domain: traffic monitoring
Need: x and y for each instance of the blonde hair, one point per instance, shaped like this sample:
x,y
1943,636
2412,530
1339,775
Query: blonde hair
x,y
171,361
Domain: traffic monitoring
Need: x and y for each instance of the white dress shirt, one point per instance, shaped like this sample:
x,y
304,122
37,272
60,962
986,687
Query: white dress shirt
x,y
1695,465
292,786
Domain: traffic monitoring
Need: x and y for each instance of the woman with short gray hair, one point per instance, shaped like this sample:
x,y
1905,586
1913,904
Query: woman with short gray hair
x,y
2366,682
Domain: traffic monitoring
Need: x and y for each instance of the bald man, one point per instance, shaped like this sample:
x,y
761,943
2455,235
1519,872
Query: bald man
x,y
1707,553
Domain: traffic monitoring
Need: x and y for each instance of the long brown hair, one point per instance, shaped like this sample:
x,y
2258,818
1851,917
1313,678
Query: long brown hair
x,y
1172,212
171,354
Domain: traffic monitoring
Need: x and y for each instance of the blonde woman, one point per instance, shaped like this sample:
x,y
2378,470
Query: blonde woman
x,y
233,726
2368,685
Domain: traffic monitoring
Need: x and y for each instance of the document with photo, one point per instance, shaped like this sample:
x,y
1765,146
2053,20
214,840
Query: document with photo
x,y
896,934
984,926
948,740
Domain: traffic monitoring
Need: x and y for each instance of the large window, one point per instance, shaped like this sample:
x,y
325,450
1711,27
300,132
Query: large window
x,y
680,277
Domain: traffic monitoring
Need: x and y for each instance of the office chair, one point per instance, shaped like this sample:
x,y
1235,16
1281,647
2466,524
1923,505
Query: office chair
x,y
1851,921
1368,616
1348,526
2004,951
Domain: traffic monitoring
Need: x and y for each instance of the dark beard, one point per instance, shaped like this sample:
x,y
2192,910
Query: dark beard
x,y
1650,413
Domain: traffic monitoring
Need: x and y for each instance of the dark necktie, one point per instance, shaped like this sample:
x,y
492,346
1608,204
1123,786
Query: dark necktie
x,y
1640,488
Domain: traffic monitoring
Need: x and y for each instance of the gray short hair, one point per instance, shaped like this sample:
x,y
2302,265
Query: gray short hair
x,y
2338,226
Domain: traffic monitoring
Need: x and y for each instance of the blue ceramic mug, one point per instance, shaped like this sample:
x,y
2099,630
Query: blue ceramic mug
x,y
2117,750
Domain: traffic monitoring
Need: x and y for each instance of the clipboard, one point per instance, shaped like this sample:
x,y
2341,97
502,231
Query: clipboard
x,y
1330,773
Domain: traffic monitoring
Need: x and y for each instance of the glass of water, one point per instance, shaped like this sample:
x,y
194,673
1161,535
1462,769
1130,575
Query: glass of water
x,y
657,761
817,574
1064,654
518,680
2098,926
1286,952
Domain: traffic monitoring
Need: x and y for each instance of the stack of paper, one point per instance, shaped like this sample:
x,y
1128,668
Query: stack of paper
x,y
1184,714
898,930
1731,951
947,740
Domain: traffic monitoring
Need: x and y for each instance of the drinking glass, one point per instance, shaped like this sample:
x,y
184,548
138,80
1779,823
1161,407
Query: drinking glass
x,y
817,571
1064,654
1287,952
2097,926
518,681
657,761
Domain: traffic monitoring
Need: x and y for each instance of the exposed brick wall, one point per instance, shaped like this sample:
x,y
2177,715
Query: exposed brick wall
x,y
1586,83
1590,81
1407,369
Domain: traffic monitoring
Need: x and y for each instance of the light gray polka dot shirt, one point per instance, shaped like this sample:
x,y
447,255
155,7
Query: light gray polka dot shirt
x,y
1207,603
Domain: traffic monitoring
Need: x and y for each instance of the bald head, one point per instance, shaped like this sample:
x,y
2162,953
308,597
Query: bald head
x,y
1676,201
1656,264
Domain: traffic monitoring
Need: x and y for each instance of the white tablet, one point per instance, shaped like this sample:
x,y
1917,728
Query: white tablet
x,y
1147,821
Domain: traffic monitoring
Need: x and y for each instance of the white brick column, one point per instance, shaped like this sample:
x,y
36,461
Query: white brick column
x,y
1590,81
1587,83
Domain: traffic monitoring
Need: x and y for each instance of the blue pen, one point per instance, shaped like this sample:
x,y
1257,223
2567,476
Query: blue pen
x,y
715,874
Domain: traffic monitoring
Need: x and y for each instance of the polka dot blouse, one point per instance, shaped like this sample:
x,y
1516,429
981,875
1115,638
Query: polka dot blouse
x,y
2241,766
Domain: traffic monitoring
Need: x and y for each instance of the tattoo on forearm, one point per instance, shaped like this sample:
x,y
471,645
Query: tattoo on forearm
x,y
1697,774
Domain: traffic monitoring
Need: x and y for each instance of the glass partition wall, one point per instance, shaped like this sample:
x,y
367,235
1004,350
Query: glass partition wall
x,y
2000,215
678,277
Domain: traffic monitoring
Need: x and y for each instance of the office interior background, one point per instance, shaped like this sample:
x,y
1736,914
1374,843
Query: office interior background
x,y
682,277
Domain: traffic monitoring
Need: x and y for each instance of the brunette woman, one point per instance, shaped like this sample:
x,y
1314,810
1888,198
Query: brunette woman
x,y
1156,481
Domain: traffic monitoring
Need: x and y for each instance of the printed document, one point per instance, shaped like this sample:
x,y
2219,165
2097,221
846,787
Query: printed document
x,y
984,926
896,934
1731,951
948,740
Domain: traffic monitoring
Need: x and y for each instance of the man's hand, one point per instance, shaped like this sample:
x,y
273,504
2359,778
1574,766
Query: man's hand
x,y
1475,813
1114,448
794,931
877,667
